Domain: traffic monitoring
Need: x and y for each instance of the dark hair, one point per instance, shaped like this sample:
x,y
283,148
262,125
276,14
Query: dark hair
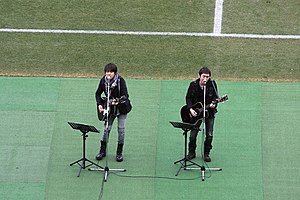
x,y
111,67
204,70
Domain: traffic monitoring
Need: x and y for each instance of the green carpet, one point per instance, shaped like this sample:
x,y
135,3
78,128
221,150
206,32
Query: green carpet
x,y
255,143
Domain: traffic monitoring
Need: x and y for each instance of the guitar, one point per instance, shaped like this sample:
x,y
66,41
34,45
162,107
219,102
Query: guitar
x,y
107,112
187,117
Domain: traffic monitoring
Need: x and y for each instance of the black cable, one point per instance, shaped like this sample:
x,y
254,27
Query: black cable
x,y
149,177
156,177
101,190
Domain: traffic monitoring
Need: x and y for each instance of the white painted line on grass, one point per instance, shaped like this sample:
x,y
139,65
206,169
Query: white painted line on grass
x,y
258,36
218,17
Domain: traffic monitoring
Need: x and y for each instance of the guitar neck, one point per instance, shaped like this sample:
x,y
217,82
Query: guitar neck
x,y
214,102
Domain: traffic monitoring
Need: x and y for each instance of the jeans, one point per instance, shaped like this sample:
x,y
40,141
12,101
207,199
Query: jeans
x,y
209,129
121,128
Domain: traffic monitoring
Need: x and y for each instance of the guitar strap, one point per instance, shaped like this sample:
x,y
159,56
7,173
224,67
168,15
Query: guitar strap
x,y
119,88
214,86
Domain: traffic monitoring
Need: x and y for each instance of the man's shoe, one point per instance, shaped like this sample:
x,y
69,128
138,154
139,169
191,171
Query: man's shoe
x,y
191,155
119,157
102,151
100,155
207,157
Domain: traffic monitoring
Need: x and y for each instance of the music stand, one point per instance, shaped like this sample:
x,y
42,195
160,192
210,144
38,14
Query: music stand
x,y
186,127
84,129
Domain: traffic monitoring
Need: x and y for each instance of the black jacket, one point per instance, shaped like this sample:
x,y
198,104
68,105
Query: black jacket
x,y
118,90
195,94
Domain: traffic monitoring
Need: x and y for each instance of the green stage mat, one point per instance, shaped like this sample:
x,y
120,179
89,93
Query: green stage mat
x,y
256,142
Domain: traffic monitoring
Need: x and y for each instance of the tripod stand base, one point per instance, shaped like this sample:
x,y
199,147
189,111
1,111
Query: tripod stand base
x,y
183,164
83,166
106,171
203,169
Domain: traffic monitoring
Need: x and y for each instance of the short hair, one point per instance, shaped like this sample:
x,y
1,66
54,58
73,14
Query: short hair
x,y
111,67
204,70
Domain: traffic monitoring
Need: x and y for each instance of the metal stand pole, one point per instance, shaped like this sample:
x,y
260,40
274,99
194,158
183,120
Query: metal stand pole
x,y
106,168
203,168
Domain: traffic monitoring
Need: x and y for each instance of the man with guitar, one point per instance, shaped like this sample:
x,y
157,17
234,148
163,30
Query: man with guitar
x,y
193,111
116,104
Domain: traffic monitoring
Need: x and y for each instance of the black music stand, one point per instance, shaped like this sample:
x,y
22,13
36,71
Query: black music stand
x,y
186,127
84,129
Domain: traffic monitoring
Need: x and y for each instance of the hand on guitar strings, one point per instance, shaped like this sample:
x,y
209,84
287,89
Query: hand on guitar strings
x,y
100,108
193,112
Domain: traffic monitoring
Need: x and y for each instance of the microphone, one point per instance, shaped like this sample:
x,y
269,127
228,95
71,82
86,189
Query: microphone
x,y
205,81
203,172
107,78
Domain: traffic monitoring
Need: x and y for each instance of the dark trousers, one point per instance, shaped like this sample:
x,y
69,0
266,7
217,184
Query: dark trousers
x,y
209,129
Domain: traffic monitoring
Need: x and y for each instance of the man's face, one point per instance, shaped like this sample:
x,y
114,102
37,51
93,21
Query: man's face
x,y
109,75
204,78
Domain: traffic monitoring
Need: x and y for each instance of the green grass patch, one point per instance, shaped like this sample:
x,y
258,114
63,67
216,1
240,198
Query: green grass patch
x,y
149,57
262,17
160,15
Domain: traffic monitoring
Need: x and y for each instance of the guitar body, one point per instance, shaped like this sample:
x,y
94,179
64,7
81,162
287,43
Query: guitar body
x,y
187,117
100,115
106,114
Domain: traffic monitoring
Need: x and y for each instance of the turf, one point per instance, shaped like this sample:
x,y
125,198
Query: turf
x,y
255,142
150,57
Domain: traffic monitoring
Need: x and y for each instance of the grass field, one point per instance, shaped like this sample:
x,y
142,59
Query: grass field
x,y
151,57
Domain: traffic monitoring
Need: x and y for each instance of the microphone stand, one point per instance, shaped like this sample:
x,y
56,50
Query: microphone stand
x,y
203,168
106,119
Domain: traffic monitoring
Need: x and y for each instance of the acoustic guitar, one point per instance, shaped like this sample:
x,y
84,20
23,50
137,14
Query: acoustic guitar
x,y
107,112
187,117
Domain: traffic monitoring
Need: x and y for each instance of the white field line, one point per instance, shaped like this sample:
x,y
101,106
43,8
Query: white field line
x,y
218,17
195,34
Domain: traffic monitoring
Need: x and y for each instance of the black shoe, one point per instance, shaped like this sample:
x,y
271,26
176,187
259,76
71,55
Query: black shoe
x,y
191,155
207,157
119,157
100,155
102,151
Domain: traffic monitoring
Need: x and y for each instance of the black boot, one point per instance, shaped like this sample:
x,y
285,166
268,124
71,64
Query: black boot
x,y
207,148
207,157
119,156
102,152
192,150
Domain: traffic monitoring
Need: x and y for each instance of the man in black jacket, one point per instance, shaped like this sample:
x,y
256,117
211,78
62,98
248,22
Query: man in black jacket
x,y
194,95
117,106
